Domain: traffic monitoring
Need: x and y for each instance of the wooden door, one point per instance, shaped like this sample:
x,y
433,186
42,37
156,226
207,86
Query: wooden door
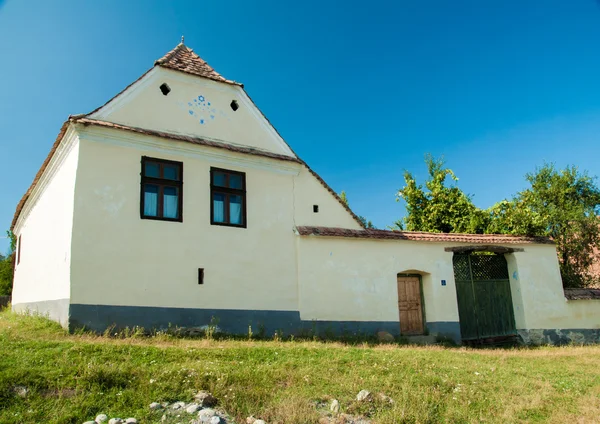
x,y
409,304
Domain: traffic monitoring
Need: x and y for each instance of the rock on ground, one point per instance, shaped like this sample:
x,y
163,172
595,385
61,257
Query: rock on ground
x,y
130,421
205,398
155,405
192,408
363,395
101,418
335,406
115,421
385,337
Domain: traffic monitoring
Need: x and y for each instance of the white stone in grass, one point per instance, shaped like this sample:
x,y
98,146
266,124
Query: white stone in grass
x,y
178,405
215,420
205,398
155,406
101,418
259,422
335,406
192,408
90,422
363,395
130,421
115,421
206,414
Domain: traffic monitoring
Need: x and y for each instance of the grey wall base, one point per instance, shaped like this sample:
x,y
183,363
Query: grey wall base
x,y
57,310
538,337
100,317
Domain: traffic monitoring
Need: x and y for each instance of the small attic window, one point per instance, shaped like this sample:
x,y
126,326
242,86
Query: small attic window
x,y
165,89
234,105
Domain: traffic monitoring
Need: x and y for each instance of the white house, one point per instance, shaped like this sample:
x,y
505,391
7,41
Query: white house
x,y
178,202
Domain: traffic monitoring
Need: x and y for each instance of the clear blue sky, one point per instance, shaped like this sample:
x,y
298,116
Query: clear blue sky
x,y
360,90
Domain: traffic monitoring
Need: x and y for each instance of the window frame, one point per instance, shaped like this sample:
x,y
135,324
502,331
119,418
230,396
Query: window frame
x,y
227,191
161,183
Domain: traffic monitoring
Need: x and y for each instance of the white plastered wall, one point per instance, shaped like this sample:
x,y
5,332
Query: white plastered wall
x,y
536,283
342,279
121,259
42,276
196,107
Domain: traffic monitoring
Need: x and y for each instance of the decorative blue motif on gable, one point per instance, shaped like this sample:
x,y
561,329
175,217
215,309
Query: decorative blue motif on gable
x,y
201,110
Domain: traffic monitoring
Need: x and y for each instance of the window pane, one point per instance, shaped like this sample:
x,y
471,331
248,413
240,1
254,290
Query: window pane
x,y
150,200
219,179
218,207
235,181
151,169
235,209
170,202
171,172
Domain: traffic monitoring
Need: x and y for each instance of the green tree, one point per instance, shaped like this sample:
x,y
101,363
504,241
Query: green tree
x,y
7,267
439,206
560,204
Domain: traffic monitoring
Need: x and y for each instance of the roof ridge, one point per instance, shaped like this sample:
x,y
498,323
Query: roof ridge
x,y
184,59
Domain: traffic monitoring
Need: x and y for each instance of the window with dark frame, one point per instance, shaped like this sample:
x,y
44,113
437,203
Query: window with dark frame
x,y
19,250
228,198
162,190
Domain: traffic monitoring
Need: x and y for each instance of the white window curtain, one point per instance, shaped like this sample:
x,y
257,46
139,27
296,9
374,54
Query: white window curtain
x,y
150,200
235,210
218,207
170,202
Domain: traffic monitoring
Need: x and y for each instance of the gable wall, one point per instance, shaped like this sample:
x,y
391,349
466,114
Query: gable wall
x,y
42,278
186,110
120,259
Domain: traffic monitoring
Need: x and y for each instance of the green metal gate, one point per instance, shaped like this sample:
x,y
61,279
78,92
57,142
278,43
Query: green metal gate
x,y
484,301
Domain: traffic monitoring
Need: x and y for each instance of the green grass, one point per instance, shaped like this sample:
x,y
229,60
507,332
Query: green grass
x,y
71,378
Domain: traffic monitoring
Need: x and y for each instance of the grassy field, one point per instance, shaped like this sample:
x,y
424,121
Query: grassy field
x,y
71,378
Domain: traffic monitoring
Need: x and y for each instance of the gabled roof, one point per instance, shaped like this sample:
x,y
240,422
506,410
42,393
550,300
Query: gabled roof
x,y
421,236
183,59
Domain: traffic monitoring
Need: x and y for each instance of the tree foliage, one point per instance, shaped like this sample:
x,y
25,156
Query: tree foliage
x,y
7,267
440,206
561,204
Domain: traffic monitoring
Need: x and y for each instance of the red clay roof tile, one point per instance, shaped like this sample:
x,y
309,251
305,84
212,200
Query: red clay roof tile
x,y
420,236
183,59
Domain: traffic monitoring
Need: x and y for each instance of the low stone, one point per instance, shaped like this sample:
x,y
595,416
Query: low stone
x,y
192,408
205,398
206,414
385,398
259,422
155,406
385,337
178,405
250,420
163,418
90,422
363,395
131,421
215,420
115,421
101,418
21,391
335,406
